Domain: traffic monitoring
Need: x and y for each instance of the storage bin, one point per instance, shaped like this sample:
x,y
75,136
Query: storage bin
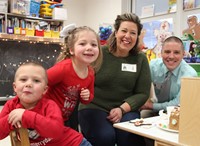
x,y
55,34
19,6
10,30
39,33
30,32
59,14
34,8
17,30
47,33
23,31
4,6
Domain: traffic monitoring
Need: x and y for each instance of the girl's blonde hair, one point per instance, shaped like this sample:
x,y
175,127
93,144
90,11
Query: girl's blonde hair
x,y
70,40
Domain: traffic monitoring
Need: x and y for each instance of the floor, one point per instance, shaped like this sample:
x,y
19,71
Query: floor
x,y
5,141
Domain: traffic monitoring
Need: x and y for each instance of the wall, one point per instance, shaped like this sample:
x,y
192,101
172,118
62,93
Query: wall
x,y
92,12
179,17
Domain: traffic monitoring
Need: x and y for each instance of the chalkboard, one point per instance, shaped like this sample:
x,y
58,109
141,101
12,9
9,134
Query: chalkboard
x,y
14,53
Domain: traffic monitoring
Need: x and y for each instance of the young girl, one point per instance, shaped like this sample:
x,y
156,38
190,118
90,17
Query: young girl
x,y
71,79
41,116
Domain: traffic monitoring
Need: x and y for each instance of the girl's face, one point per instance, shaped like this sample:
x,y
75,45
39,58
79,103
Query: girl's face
x,y
30,85
126,36
86,49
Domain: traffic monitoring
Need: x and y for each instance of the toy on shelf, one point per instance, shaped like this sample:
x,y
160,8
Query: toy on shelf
x,y
34,8
46,8
193,27
192,49
105,31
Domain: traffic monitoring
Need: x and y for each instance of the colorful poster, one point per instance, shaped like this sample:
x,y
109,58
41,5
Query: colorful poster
x,y
155,32
147,11
192,39
188,4
193,28
172,6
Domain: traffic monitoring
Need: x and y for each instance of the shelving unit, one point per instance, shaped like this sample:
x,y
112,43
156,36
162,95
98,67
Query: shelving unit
x,y
33,39
53,27
17,47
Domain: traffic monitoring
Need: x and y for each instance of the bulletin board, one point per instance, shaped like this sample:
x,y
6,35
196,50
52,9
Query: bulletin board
x,y
14,53
160,7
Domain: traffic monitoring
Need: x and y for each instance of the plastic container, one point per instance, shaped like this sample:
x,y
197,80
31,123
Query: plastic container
x,y
34,8
20,7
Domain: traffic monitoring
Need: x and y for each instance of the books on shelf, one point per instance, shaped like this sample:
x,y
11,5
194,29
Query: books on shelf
x,y
2,24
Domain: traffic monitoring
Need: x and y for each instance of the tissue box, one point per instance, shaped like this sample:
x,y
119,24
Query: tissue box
x,y
59,14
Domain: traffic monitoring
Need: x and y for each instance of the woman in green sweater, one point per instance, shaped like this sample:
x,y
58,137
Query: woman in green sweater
x,y
122,86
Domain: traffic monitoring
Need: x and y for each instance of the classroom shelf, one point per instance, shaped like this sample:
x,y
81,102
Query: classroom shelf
x,y
33,39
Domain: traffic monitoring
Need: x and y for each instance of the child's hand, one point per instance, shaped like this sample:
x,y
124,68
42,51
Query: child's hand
x,y
85,94
15,117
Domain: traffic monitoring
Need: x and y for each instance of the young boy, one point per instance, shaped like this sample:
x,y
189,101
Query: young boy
x,y
42,117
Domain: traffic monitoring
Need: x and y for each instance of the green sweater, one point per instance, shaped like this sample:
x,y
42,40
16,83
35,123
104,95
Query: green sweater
x,y
114,86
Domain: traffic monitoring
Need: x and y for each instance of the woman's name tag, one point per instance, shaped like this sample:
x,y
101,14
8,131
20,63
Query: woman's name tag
x,y
129,67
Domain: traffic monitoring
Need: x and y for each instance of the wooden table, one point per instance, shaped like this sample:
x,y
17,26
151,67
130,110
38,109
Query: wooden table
x,y
161,137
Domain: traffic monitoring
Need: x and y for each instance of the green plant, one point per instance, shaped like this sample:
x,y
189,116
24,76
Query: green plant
x,y
196,45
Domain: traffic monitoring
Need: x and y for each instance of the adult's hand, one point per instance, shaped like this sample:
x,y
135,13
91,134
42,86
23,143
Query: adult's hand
x,y
115,115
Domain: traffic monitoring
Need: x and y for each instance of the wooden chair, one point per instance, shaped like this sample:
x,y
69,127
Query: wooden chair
x,y
19,137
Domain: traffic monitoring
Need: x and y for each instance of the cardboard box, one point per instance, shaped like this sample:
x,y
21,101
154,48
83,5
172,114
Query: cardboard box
x,y
59,14
189,131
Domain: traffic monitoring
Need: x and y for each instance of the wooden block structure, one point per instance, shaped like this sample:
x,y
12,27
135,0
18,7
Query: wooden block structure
x,y
189,131
19,137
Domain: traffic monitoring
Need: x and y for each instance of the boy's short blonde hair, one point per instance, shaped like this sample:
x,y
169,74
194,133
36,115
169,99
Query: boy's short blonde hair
x,y
33,63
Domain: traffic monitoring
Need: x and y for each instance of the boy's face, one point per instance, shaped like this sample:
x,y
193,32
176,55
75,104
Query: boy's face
x,y
172,55
30,85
